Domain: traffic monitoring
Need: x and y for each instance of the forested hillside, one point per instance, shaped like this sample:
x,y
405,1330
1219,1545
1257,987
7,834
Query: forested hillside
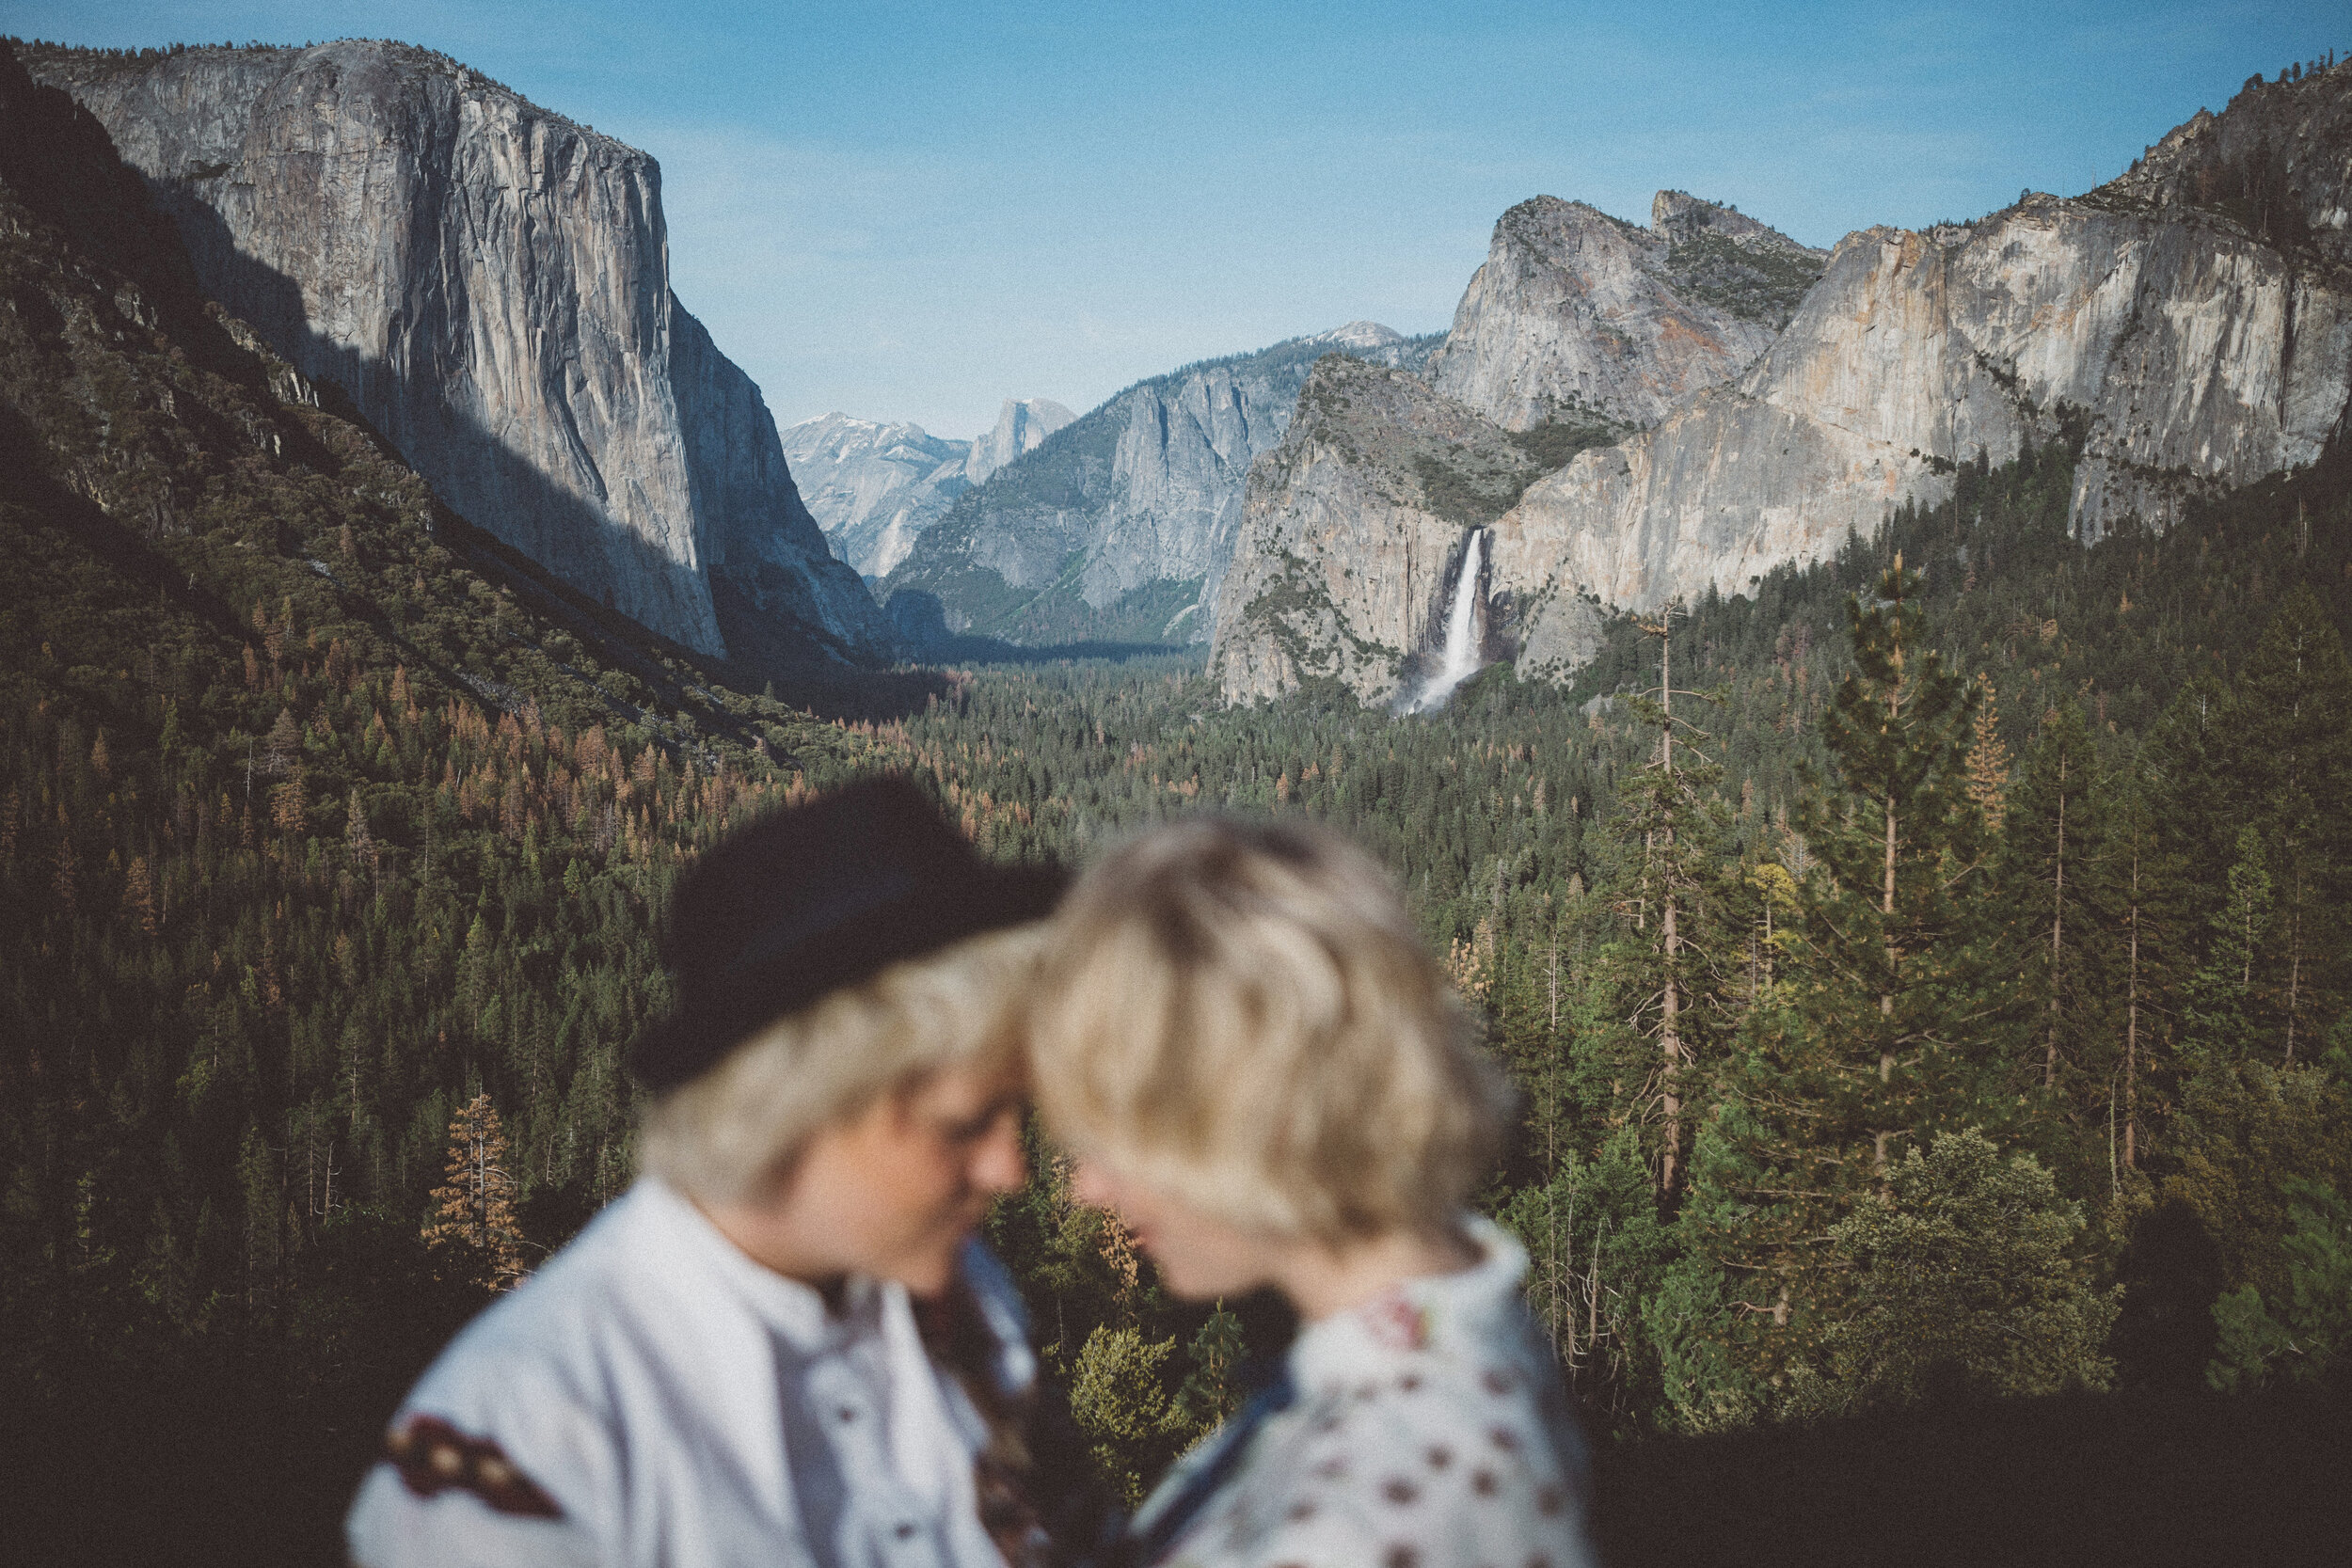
x,y
321,814
2102,1007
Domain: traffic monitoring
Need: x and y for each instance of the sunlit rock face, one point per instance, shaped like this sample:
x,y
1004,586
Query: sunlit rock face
x,y
2190,322
1579,325
490,283
1580,316
2190,358
1022,425
1354,535
874,487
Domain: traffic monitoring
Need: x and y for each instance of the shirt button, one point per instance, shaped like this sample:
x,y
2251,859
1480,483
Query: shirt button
x,y
904,1530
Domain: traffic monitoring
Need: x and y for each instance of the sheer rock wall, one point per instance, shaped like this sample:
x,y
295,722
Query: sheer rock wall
x,y
490,282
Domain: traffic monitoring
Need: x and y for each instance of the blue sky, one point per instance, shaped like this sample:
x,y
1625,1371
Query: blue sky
x,y
916,210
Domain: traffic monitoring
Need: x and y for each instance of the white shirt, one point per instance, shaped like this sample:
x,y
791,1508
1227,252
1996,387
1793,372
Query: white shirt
x,y
1429,1430
656,1398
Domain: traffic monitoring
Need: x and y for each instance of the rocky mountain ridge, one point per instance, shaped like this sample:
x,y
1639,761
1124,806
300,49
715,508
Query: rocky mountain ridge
x,y
1578,328
874,487
1022,426
1120,525
2188,326
1582,318
490,283
871,486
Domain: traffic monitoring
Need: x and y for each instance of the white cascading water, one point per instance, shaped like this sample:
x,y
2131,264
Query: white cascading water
x,y
1459,661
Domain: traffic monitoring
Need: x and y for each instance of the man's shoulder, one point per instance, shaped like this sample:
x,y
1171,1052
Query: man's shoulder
x,y
510,1445
547,1336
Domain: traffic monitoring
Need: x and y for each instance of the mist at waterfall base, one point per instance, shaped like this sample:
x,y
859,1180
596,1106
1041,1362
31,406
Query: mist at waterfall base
x,y
1459,660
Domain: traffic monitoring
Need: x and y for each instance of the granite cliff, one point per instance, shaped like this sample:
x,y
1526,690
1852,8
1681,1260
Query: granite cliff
x,y
874,487
1022,426
1581,318
490,283
2188,323
1578,328
2187,327
1353,535
1120,525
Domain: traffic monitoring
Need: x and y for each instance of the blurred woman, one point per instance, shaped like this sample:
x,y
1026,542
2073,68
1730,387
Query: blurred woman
x,y
780,1346
1257,1064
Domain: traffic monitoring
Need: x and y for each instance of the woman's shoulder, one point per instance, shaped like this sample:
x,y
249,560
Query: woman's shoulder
x,y
1412,1469
1430,1429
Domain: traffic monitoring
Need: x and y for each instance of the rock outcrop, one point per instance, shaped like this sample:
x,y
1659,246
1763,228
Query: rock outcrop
x,y
490,283
873,488
1022,426
2191,342
1120,525
2188,326
1581,318
1352,535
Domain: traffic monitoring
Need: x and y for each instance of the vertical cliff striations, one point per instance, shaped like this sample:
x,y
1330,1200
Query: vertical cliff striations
x,y
2189,324
2188,327
1578,328
1352,533
490,282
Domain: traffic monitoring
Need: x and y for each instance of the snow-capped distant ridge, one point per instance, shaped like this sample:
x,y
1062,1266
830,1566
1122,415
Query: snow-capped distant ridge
x,y
1359,334
871,484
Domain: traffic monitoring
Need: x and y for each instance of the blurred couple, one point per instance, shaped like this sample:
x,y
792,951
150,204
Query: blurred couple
x,y
785,1345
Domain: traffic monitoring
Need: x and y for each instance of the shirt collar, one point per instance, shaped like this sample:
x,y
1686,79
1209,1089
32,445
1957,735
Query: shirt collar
x,y
682,1242
1439,1312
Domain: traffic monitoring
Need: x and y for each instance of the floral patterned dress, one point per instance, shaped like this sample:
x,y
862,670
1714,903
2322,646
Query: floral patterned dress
x,y
1425,1429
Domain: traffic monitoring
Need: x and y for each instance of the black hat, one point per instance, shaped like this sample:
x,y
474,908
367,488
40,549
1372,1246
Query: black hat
x,y
814,899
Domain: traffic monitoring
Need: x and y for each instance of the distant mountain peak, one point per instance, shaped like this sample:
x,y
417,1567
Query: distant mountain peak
x,y
1021,425
1359,334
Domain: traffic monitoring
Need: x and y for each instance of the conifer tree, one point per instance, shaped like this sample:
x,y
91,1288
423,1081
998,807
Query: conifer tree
x,y
1972,1270
2052,855
2142,918
1873,1040
1671,830
1988,759
2223,1015
473,1219
1893,992
2289,744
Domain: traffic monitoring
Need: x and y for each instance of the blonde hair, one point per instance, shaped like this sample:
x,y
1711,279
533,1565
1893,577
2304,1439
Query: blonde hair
x,y
1241,1018
720,1136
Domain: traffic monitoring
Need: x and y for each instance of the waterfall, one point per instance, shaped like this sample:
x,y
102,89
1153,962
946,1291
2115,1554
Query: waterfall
x,y
1459,661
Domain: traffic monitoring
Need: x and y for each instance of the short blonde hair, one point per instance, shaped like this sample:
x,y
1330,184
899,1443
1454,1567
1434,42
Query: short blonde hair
x,y
720,1135
1241,1018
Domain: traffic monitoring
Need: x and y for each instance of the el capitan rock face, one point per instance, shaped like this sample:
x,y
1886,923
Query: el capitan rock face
x,y
490,282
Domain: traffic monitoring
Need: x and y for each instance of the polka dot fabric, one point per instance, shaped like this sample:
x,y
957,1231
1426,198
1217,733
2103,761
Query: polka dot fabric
x,y
1430,1430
